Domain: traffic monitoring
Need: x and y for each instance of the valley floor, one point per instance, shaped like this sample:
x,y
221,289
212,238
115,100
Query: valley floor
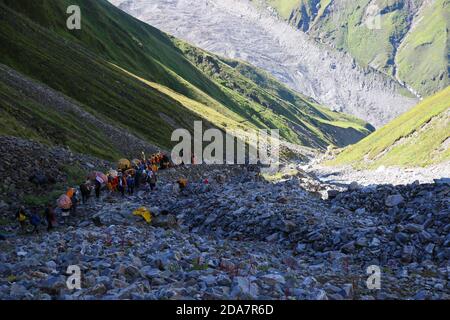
x,y
383,175
242,237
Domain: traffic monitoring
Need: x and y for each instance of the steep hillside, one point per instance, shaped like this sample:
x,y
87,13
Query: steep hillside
x,y
118,74
417,138
407,39
234,29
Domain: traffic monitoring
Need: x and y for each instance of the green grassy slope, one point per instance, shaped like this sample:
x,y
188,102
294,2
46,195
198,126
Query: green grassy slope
x,y
269,101
34,120
99,88
423,57
416,55
102,66
419,137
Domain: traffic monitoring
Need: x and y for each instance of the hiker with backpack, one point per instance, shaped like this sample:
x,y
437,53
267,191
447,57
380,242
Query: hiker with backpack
x,y
122,183
73,209
85,189
50,216
130,184
35,221
151,180
98,188
138,176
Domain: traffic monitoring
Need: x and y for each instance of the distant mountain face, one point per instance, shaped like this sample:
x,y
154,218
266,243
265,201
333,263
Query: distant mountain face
x,y
234,28
118,86
407,39
419,137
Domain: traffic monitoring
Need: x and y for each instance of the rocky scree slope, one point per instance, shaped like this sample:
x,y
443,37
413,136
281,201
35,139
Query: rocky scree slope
x,y
59,167
236,29
241,237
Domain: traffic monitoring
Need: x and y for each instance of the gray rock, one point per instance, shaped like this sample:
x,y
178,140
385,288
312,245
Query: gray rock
x,y
150,272
300,248
99,289
413,228
362,242
407,254
18,291
53,284
442,181
394,200
332,194
243,288
401,238
430,248
51,265
273,279
310,283
349,247
353,186
375,242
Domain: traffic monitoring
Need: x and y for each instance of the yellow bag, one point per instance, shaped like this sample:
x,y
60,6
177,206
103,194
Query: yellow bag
x,y
124,164
144,213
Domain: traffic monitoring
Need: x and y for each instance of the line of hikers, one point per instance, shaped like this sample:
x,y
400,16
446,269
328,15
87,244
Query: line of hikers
x,y
130,176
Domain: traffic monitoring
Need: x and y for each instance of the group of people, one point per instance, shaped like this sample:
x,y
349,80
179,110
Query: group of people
x,y
130,176
35,219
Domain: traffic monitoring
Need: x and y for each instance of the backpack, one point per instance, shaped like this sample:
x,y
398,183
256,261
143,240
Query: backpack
x,y
35,220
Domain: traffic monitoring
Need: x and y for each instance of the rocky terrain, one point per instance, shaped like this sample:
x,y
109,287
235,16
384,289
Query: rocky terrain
x,y
345,175
236,29
22,159
242,236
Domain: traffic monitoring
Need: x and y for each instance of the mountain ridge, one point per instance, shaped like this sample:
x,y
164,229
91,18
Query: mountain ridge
x,y
82,66
409,42
234,29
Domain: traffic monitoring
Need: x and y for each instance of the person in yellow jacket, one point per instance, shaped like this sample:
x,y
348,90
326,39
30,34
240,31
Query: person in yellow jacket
x,y
22,217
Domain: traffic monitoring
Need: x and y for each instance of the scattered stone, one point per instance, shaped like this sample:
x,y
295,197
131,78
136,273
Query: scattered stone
x,y
353,186
394,200
413,228
243,288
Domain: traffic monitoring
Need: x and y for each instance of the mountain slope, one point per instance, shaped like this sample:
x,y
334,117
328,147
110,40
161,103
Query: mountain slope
x,y
410,43
105,70
417,138
234,29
